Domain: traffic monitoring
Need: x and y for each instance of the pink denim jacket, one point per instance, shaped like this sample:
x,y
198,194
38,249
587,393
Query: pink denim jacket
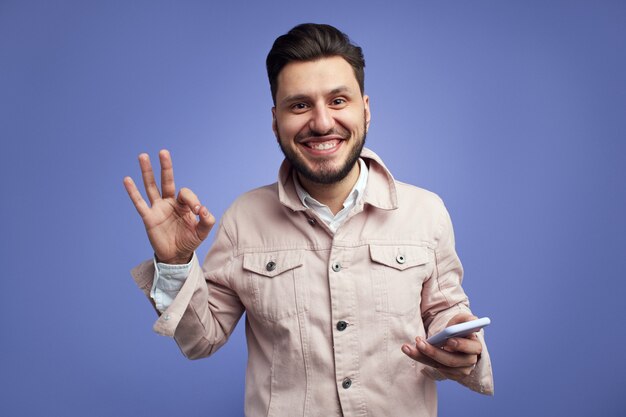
x,y
327,314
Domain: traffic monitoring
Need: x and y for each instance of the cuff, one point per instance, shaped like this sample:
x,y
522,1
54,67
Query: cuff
x,y
170,318
167,282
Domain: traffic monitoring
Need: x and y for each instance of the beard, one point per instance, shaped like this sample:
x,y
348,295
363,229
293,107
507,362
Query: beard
x,y
325,173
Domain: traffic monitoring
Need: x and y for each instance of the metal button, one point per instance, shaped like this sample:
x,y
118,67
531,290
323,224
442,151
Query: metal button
x,y
336,267
341,325
347,383
167,317
271,265
400,259
311,221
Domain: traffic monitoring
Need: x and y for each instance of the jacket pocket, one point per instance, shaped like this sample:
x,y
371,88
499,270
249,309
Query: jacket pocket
x,y
398,272
275,280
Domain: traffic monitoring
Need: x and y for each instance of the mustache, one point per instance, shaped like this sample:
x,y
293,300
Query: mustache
x,y
342,133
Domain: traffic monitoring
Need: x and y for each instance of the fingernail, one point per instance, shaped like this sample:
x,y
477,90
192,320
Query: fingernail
x,y
453,343
421,345
196,209
406,349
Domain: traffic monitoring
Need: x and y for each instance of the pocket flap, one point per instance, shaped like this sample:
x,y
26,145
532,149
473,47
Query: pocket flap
x,y
400,257
270,264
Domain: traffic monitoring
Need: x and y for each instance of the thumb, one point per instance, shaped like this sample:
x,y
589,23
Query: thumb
x,y
205,224
461,318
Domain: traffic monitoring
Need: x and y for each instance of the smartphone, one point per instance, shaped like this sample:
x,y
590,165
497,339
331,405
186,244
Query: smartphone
x,y
458,330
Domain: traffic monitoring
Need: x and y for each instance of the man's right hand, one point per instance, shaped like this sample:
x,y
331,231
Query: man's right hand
x,y
170,220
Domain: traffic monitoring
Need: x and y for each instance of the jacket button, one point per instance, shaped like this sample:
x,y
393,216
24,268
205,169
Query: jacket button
x,y
347,383
311,221
341,325
336,267
271,265
400,259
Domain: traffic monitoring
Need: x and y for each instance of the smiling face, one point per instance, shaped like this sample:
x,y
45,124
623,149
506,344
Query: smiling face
x,y
321,118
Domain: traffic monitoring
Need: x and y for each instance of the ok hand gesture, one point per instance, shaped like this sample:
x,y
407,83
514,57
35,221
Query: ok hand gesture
x,y
171,223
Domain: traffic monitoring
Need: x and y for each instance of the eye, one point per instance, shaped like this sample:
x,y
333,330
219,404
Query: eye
x,y
339,102
299,107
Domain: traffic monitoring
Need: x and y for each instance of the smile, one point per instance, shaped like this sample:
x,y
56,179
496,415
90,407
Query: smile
x,y
323,146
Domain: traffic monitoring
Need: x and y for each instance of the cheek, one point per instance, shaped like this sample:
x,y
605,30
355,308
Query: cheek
x,y
353,123
355,118
289,127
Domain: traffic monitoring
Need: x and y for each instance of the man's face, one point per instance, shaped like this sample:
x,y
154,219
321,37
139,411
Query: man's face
x,y
320,118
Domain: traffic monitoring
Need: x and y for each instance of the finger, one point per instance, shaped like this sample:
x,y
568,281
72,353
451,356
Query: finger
x,y
450,359
464,345
168,188
148,178
205,224
448,372
413,353
135,196
188,200
450,347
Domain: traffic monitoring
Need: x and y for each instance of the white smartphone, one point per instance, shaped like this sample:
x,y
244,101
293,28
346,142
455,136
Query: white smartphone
x,y
458,330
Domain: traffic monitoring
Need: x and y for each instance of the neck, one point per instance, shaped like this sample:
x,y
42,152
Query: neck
x,y
333,195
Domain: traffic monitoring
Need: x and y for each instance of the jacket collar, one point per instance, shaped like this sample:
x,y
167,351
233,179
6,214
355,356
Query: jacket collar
x,y
380,191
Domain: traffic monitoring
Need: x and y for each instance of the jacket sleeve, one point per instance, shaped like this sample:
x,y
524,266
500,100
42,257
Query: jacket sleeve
x,y
206,310
443,298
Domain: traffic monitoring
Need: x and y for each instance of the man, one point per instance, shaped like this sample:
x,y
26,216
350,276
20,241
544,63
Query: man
x,y
342,270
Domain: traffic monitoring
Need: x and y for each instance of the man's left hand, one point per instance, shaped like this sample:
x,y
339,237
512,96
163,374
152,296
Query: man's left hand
x,y
456,359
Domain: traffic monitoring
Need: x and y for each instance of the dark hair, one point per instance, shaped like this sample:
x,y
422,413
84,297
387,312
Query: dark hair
x,y
309,42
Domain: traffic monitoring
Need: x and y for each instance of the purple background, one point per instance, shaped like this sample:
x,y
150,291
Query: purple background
x,y
515,113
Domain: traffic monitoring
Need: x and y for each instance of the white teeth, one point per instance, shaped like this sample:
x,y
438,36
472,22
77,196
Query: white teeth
x,y
322,146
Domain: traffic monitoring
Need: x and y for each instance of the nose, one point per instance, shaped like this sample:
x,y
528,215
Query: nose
x,y
322,120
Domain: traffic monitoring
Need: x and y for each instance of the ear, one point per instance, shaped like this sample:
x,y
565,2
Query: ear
x,y
368,115
274,126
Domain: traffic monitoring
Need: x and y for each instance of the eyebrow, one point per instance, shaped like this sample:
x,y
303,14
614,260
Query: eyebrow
x,y
298,97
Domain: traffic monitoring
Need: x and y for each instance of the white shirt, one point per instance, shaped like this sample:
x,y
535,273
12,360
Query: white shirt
x,y
169,279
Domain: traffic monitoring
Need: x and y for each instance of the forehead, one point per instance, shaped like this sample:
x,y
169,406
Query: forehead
x,y
316,77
